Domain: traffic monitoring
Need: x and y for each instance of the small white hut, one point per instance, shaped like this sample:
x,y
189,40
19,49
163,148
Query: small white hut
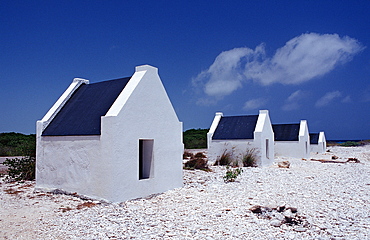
x,y
292,140
240,133
113,140
318,142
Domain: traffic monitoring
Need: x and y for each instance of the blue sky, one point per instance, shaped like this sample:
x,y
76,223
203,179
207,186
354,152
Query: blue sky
x,y
298,59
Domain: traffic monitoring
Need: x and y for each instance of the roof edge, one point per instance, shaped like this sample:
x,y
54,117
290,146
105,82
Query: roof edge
x,y
53,111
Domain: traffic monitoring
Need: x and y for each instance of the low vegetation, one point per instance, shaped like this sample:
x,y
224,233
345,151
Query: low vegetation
x,y
232,174
249,158
351,144
17,144
195,138
225,159
246,159
197,161
20,168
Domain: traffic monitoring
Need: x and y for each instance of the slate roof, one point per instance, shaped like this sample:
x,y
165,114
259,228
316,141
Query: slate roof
x,y
81,113
286,132
236,127
314,138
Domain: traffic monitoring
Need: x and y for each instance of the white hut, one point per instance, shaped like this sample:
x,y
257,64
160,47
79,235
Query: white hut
x,y
113,140
292,140
318,142
237,134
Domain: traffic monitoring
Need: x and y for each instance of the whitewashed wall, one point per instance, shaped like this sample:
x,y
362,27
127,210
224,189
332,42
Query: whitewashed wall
x,y
66,162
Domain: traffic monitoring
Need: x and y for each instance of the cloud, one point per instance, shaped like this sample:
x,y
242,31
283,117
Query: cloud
x,y
302,59
292,102
327,98
225,75
347,99
254,103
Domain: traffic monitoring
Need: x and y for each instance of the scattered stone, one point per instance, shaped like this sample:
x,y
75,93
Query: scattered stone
x,y
300,229
353,160
256,209
334,157
276,223
284,164
292,209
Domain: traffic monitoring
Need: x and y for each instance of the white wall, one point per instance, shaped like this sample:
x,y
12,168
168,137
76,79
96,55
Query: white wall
x,y
67,162
236,147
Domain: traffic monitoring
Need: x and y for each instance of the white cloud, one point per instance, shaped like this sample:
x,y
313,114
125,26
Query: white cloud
x,y
292,102
302,59
254,103
327,98
225,75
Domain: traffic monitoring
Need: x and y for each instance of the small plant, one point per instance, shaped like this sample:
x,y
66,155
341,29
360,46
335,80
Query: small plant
x,y
20,168
187,154
249,158
232,174
225,159
197,161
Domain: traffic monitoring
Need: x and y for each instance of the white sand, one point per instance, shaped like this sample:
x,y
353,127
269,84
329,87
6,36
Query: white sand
x,y
332,199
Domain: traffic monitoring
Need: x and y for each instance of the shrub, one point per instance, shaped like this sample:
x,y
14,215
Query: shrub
x,y
21,168
198,161
195,138
225,159
187,154
232,174
249,158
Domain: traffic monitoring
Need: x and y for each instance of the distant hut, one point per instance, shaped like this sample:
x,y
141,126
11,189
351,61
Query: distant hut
x,y
238,134
318,142
292,140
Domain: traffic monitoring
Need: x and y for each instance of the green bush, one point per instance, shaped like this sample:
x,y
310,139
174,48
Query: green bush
x,y
20,168
232,174
195,138
17,144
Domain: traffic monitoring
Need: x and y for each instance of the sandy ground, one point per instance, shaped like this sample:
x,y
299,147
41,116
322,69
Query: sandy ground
x,y
312,187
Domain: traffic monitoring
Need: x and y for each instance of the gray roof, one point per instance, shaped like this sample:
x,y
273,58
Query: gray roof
x,y
286,132
82,112
236,127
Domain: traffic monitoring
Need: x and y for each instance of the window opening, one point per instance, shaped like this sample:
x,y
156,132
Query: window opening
x,y
145,158
267,148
